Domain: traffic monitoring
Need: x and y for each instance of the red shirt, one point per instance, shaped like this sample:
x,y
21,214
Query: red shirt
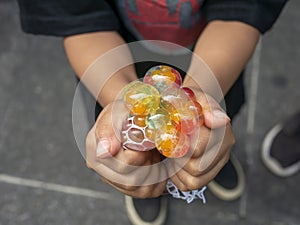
x,y
176,21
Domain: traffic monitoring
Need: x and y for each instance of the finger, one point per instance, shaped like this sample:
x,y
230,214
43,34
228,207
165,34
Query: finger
x,y
200,142
135,178
124,162
138,158
199,166
127,161
215,118
220,144
106,131
214,115
91,145
189,182
151,171
156,179
178,183
149,191
199,145
204,139
151,179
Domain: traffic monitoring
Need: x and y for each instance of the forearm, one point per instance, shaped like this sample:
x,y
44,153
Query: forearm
x,y
225,47
82,50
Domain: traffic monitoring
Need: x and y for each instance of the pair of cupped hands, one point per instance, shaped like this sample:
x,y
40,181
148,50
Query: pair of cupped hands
x,y
144,174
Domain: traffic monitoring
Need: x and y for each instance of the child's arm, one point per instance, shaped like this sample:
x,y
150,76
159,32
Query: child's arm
x,y
83,49
102,142
228,41
225,47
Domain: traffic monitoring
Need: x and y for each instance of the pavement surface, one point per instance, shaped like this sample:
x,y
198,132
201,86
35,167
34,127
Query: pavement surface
x,y
43,178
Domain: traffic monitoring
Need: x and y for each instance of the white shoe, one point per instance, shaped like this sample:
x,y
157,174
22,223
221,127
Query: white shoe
x,y
230,183
147,211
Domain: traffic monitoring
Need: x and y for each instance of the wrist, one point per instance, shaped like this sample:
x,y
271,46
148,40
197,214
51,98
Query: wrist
x,y
201,75
202,80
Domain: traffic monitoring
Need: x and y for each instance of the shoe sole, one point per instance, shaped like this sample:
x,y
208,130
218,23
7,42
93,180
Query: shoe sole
x,y
230,194
137,220
272,164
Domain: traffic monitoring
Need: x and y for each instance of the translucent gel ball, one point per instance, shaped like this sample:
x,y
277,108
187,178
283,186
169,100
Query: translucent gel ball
x,y
173,98
158,120
197,109
162,77
141,98
185,120
172,143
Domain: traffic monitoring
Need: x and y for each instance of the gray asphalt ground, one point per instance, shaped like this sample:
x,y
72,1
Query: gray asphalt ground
x,y
38,149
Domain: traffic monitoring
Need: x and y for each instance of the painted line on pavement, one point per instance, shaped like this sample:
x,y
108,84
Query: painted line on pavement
x,y
54,187
251,116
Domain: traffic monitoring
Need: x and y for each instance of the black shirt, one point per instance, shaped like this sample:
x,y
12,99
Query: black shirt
x,y
65,17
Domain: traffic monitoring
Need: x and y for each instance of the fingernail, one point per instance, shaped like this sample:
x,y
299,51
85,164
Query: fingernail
x,y
103,149
220,114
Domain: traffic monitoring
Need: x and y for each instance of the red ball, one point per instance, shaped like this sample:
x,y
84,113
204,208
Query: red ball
x,y
189,92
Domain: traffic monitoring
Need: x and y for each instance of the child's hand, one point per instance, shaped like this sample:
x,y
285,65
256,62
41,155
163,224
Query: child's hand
x,y
126,170
212,149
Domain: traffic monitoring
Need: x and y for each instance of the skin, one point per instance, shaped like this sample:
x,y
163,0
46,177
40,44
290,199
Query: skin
x,y
226,47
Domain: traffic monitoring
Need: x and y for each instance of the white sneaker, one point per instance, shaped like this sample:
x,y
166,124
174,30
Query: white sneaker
x,y
230,183
152,211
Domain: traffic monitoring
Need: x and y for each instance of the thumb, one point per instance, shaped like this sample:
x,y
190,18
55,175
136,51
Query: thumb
x,y
107,126
215,118
214,115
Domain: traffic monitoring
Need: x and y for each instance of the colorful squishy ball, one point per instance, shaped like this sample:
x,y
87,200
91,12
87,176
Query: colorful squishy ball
x,y
162,114
171,143
141,98
162,77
